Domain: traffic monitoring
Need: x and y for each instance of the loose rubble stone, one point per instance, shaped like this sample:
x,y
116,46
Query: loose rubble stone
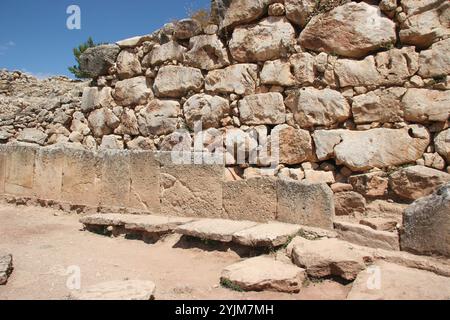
x,y
117,290
313,176
349,203
328,257
239,79
380,224
263,108
299,11
6,268
376,148
102,122
32,135
372,184
313,107
277,72
236,12
435,62
442,144
206,109
426,224
348,31
400,283
416,182
267,235
159,117
397,65
207,52
264,274
366,236
175,81
128,65
214,229
177,141
423,105
295,145
303,68
132,91
187,28
270,39
97,60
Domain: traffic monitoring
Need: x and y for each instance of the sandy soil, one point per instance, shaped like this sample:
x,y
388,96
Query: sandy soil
x,y
46,242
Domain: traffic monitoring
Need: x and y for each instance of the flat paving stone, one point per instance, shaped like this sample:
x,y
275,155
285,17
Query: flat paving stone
x,y
267,235
214,229
6,267
156,224
264,273
109,219
117,290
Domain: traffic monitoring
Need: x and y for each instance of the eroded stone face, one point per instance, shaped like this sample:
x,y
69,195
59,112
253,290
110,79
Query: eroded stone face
x,y
442,144
128,65
376,148
132,91
263,108
239,78
435,62
235,12
170,51
299,11
159,117
424,105
205,109
348,30
175,81
97,60
207,52
295,145
270,39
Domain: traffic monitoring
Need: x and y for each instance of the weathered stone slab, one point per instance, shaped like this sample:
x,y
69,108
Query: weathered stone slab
x,y
155,224
193,190
426,224
81,177
3,152
381,224
20,160
328,257
115,178
264,274
117,290
110,219
145,182
6,267
267,235
400,283
366,236
48,173
252,199
214,229
305,204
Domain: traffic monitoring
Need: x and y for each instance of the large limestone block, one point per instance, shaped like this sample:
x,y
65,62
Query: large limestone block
x,y
379,106
349,203
397,65
206,109
102,122
372,184
214,229
303,68
435,62
129,290
416,182
277,72
271,235
399,283
193,190
375,148
170,51
313,107
186,28
328,257
230,13
48,172
131,92
295,145
81,178
442,144
155,224
299,11
32,135
427,21
305,203
424,105
239,78
128,65
176,81
252,199
20,161
270,39
159,117
426,224
145,181
115,178
348,30
207,52
262,108
355,73
97,60
265,274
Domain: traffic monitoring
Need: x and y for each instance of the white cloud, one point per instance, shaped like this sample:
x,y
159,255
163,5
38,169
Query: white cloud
x,y
6,46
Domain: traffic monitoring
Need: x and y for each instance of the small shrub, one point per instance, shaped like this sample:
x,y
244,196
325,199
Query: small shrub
x,y
230,285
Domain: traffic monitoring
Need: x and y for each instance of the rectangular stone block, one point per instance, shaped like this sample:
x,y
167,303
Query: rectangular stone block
x,y
193,190
115,178
305,203
2,169
81,177
20,170
253,199
145,186
48,173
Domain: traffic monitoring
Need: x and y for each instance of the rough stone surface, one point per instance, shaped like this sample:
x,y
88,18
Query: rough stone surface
x,y
207,52
240,79
128,65
400,283
426,224
170,51
435,62
175,81
295,145
159,117
6,268
376,148
97,60
416,182
372,184
206,109
235,12
351,72
267,235
277,72
423,105
348,31
32,135
263,108
117,290
349,203
264,274
132,91
442,144
299,11
187,28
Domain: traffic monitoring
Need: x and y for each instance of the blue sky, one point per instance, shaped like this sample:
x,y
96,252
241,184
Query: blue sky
x,y
34,37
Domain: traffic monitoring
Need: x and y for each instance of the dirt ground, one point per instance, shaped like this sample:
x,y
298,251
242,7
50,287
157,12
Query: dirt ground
x,y
45,243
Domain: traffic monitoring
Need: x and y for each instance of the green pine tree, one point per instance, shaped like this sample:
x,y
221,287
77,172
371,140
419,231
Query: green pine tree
x,y
77,52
